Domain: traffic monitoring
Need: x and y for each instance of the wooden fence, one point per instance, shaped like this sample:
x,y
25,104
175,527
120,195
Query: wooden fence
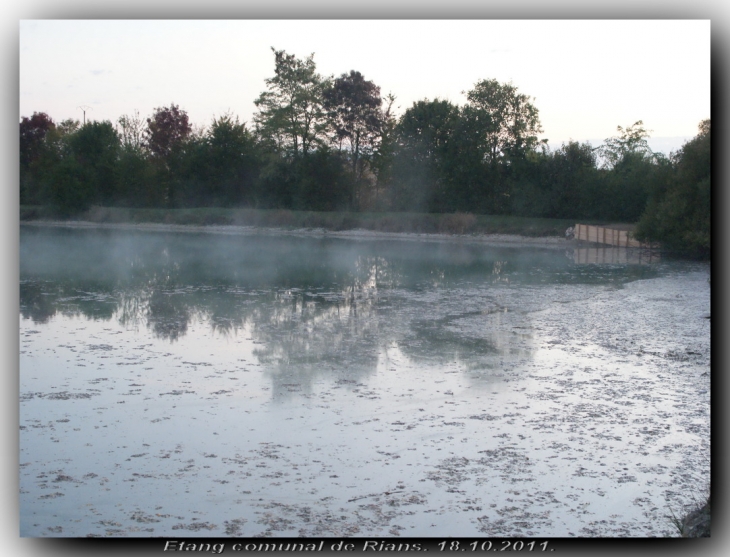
x,y
610,236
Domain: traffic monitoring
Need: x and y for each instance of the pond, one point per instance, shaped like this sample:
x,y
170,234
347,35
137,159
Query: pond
x,y
198,384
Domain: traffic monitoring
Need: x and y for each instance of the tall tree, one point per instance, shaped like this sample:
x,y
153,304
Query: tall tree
x,y
291,113
168,131
383,155
353,104
507,120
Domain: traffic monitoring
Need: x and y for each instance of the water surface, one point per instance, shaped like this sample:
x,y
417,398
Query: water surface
x,y
222,385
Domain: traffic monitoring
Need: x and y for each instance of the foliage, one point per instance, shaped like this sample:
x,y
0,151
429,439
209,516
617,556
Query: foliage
x,y
33,148
353,105
291,115
322,144
423,133
33,133
678,212
231,161
131,130
384,152
166,131
69,190
631,141
138,181
508,123
95,149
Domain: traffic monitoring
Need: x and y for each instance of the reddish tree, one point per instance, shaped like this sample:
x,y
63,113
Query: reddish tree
x,y
167,130
33,132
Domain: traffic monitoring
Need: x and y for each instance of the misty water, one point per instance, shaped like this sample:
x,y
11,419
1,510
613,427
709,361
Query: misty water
x,y
197,384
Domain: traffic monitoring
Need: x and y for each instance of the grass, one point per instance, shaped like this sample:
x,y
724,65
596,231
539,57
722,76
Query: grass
x,y
696,524
451,223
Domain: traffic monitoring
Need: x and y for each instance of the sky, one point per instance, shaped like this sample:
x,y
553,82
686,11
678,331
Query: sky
x,y
586,76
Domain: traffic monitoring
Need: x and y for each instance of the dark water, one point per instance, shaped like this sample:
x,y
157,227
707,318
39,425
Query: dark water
x,y
319,386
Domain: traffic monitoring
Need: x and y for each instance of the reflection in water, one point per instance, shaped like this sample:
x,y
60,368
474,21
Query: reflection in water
x,y
311,306
614,255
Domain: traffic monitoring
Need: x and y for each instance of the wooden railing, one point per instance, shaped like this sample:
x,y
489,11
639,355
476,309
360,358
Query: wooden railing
x,y
604,235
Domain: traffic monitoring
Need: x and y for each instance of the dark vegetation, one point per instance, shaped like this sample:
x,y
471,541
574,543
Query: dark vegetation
x,y
423,223
697,523
333,145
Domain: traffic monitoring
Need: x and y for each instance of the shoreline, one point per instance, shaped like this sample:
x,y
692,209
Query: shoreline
x,y
503,240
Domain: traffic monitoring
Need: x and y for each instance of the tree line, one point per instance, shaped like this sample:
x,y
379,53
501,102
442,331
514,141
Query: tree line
x,y
335,144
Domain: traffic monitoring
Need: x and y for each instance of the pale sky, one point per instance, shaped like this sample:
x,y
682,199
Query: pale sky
x,y
587,76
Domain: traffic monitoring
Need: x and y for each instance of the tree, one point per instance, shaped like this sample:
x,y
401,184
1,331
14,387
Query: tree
x,y
95,147
353,105
231,161
419,170
291,114
507,121
34,146
166,131
323,182
629,167
137,180
166,135
131,131
383,154
630,141
679,210
573,168
33,132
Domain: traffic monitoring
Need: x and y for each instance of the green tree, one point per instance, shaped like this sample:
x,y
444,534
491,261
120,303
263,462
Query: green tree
x,y
419,174
233,160
508,122
137,179
353,105
631,141
629,167
291,116
384,152
69,190
678,212
34,147
95,147
131,130
573,168
323,182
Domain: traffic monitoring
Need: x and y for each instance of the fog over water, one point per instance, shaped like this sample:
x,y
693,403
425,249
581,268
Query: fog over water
x,y
244,385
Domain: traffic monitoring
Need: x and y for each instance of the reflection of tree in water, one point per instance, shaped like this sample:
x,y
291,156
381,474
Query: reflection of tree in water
x,y
479,339
313,306
467,322
305,334
36,303
167,315
42,299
